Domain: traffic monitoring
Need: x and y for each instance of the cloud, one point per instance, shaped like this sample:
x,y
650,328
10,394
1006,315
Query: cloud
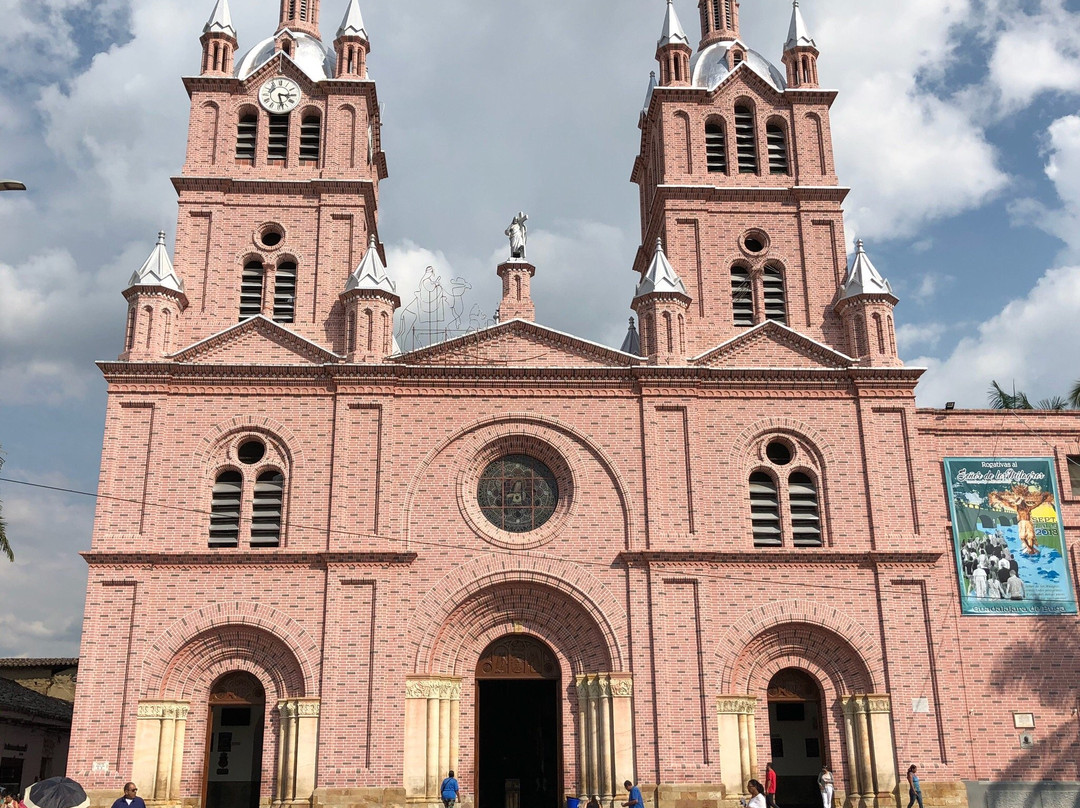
x,y
911,336
1063,169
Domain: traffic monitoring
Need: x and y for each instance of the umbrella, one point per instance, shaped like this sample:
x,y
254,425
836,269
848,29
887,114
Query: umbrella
x,y
56,792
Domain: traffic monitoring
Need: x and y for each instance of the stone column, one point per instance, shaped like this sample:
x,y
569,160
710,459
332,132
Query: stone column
x,y
737,741
605,733
298,746
871,757
432,716
159,749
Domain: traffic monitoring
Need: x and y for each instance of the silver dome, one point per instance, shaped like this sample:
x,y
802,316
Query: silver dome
x,y
311,56
709,67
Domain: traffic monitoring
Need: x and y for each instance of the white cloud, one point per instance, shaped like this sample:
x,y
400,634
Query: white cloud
x,y
1063,169
913,336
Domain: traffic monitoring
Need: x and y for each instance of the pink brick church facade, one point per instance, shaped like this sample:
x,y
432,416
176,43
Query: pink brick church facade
x,y
325,571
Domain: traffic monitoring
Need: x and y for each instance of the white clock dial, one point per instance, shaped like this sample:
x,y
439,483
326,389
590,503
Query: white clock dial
x,y
279,95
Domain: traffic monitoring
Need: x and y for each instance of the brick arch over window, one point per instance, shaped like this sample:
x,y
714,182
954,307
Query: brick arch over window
x,y
210,448
842,654
253,637
817,446
560,604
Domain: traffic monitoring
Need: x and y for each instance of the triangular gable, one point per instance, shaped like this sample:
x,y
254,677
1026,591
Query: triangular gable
x,y
518,343
270,68
258,341
771,345
752,80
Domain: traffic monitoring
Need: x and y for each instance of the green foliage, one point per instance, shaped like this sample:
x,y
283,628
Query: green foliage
x,y
5,545
1000,400
1074,396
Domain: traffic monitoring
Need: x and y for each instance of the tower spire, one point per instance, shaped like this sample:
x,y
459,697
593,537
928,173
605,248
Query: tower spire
x,y
673,51
719,21
800,52
218,41
351,45
300,16
220,20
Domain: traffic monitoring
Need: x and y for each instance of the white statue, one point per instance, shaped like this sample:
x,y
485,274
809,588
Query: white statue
x,y
518,234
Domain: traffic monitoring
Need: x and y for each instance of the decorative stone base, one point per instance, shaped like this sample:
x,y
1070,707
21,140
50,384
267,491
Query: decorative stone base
x,y
1047,794
361,798
689,795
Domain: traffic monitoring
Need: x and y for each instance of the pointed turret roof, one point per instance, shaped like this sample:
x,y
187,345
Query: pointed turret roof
x,y
353,22
863,277
158,270
673,33
798,34
371,274
220,20
660,278
632,343
652,86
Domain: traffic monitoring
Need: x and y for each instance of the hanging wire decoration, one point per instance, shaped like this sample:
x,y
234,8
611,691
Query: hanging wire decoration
x,y
437,313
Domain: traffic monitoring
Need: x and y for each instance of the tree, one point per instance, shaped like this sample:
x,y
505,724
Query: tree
x,y
1074,396
5,545
1000,400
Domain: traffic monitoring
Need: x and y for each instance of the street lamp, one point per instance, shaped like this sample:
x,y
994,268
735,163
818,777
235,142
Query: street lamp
x,y
11,185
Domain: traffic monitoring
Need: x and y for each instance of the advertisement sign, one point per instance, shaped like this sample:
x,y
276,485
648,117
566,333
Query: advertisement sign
x,y
1008,536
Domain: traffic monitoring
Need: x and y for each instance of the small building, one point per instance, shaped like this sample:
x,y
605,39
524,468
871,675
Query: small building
x,y
36,701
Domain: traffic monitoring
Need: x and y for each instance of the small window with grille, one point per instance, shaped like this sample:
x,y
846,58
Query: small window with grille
x,y
742,297
746,140
247,132
715,148
285,293
778,151
310,138
278,145
805,515
764,510
225,510
775,297
266,508
251,290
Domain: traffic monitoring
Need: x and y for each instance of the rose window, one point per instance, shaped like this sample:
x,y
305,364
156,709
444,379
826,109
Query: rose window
x,y
517,493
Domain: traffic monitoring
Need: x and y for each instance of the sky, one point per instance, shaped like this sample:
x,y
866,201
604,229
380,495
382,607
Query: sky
x,y
957,127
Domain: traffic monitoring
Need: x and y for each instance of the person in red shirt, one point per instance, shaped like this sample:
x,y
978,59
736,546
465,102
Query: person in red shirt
x,y
770,786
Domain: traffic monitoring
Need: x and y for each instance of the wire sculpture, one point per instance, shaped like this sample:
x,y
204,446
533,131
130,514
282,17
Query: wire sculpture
x,y
437,314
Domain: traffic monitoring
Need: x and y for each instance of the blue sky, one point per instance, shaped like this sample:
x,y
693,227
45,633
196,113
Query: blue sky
x,y
957,126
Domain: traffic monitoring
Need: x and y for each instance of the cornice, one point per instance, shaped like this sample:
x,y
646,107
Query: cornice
x,y
751,193
276,185
791,558
247,559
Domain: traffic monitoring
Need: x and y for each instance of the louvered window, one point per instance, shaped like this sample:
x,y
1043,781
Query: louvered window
x,y
717,21
742,296
805,515
303,9
251,290
266,508
715,148
778,153
247,131
285,293
775,298
278,148
727,15
764,510
746,140
225,510
310,138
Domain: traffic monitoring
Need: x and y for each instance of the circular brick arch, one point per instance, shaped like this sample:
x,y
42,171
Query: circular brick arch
x,y
256,637
794,634
550,599
561,437
808,437
209,450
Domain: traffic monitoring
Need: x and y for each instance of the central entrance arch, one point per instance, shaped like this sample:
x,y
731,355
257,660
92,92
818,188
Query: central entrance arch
x,y
519,732
234,746
796,737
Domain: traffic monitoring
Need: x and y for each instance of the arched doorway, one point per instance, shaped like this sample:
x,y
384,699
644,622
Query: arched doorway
x,y
797,743
235,741
518,732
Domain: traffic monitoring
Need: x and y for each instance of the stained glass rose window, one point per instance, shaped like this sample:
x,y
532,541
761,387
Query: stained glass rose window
x,y
517,493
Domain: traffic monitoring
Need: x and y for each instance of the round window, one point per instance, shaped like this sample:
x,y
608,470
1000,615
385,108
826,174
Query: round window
x,y
517,493
251,452
755,242
271,236
779,453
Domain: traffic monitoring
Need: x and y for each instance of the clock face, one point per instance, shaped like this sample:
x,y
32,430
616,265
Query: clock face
x,y
279,95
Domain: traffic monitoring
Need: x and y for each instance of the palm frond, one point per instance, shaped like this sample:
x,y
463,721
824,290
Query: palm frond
x,y
5,545
1053,403
1074,396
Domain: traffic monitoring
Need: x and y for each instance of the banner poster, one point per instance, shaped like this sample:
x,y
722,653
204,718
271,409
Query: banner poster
x,y
1009,540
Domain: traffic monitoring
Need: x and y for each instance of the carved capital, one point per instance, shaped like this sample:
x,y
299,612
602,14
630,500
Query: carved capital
x,y
854,705
444,689
308,708
622,685
736,705
164,710
879,703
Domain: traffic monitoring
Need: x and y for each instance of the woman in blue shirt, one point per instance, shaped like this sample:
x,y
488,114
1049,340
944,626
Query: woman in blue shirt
x,y
914,792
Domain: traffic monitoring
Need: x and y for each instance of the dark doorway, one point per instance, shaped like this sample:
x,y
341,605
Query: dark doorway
x,y
518,737
234,746
795,734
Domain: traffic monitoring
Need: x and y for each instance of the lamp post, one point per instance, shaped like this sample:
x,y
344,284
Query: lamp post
x,y
11,185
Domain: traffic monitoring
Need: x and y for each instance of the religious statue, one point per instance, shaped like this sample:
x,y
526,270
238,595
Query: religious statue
x,y
518,234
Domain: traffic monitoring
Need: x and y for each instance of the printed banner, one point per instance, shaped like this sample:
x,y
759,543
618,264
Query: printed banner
x,y
1010,543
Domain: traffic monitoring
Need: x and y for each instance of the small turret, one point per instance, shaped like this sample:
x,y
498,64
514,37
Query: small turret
x,y
673,51
866,308
352,45
661,303
631,342
370,300
219,42
719,21
300,16
800,52
155,297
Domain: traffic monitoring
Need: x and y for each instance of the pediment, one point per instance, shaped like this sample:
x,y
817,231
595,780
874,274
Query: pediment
x,y
771,345
518,343
258,341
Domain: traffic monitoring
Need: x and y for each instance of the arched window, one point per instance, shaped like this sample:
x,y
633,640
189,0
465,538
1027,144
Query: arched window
x,y
251,290
225,510
879,330
746,140
278,146
247,133
775,297
311,137
149,318
717,18
742,296
388,345
715,147
285,293
129,337
266,506
764,510
303,9
861,346
369,324
805,515
167,331
350,333
778,151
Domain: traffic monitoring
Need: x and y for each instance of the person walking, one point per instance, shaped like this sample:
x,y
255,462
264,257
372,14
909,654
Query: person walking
x,y
635,800
770,785
449,790
914,791
757,796
825,783
131,798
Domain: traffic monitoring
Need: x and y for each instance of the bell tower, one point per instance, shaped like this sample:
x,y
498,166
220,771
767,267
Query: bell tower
x,y
300,16
719,21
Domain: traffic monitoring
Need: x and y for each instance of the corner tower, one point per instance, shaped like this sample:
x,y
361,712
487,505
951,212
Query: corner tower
x,y
278,197
737,179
